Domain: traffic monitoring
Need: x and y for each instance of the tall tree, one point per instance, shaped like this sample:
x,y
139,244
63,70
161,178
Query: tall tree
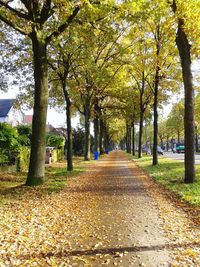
x,y
184,48
41,21
60,64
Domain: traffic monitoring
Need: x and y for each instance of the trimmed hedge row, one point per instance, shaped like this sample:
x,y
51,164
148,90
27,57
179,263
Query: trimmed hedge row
x,y
23,159
22,162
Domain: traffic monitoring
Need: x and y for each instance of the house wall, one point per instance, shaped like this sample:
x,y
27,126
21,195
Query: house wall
x,y
14,117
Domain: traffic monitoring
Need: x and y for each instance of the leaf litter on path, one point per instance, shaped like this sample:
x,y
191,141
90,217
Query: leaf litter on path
x,y
103,217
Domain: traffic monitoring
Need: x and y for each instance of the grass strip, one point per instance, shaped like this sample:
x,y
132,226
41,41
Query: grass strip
x,y
13,189
170,173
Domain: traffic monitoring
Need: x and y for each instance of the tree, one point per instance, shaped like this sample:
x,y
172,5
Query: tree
x,y
175,120
184,13
60,64
140,71
98,65
41,21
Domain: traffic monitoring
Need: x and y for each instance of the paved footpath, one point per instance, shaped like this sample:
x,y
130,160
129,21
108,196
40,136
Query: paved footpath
x,y
104,217
119,224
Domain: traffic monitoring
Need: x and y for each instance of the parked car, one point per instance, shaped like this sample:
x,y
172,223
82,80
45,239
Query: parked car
x,y
159,150
180,149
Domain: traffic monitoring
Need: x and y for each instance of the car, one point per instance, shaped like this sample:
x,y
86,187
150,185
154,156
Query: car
x,y
180,149
159,150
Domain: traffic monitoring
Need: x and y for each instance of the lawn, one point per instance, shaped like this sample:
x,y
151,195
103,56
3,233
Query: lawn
x,y
12,186
170,174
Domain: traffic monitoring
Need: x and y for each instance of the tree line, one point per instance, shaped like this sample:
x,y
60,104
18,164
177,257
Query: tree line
x,y
113,62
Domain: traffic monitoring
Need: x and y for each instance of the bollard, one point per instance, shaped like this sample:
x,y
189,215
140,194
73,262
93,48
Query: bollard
x,y
96,155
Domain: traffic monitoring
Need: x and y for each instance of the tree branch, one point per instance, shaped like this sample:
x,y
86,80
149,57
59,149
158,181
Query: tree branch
x,y
16,12
27,5
45,13
12,25
64,25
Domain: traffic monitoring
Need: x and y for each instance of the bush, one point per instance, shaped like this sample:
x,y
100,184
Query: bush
x,y
23,159
3,158
9,144
54,140
25,132
57,155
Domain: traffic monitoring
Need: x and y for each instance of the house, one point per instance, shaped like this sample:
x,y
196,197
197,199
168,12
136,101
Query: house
x,y
8,113
27,119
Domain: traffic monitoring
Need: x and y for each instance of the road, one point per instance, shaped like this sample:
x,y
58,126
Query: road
x,y
180,156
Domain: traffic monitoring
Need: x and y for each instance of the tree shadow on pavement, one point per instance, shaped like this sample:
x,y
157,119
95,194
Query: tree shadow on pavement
x,y
110,251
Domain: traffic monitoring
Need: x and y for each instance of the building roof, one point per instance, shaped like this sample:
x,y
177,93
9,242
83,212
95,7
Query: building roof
x,y
5,106
28,119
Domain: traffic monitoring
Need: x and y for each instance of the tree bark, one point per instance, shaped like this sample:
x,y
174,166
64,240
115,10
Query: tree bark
x,y
140,135
133,139
155,104
127,136
96,128
101,135
106,143
38,143
87,133
184,52
196,141
69,136
167,146
155,122
178,136
130,139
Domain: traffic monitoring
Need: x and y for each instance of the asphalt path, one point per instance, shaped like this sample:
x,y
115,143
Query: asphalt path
x,y
180,156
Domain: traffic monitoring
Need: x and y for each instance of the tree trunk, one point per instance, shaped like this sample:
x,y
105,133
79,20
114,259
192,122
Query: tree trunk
x,y
36,173
69,126
184,52
162,143
106,143
178,136
197,145
87,133
140,135
155,104
69,136
130,140
101,136
127,143
155,122
133,139
96,129
167,147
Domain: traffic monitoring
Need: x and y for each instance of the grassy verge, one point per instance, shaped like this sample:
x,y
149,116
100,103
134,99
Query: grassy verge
x,y
170,174
12,186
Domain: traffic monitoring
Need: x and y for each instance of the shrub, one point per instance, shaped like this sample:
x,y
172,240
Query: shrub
x,y
9,144
25,132
54,140
23,158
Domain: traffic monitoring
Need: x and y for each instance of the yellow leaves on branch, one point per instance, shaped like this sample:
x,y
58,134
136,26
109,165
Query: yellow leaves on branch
x,y
189,10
